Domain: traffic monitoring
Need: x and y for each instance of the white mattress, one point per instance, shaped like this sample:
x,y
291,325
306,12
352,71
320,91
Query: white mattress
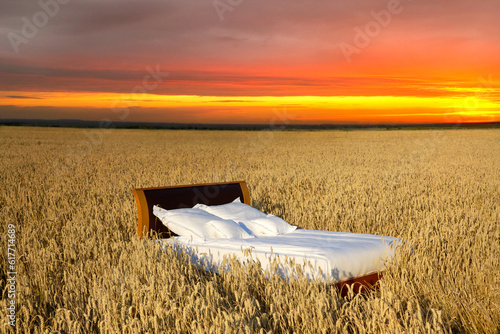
x,y
328,256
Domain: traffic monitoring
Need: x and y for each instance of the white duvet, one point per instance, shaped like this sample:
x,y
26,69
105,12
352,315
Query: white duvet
x,y
328,256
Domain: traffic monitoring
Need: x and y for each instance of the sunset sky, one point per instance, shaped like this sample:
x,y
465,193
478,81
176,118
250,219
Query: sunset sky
x,y
251,61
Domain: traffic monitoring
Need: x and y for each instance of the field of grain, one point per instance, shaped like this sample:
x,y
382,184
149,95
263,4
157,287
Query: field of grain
x,y
80,267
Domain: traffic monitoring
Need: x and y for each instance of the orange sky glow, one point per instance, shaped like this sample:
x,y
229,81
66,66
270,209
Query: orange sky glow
x,y
473,107
362,62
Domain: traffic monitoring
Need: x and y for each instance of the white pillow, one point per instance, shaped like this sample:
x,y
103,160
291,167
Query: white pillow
x,y
191,223
269,225
257,222
202,206
229,229
235,210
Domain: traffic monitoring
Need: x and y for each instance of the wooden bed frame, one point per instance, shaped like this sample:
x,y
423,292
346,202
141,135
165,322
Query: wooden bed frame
x,y
187,196
177,197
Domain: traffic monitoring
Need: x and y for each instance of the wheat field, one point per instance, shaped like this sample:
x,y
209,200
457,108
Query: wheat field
x,y
67,199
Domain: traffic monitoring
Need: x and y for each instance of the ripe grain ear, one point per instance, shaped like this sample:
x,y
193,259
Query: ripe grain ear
x,y
81,268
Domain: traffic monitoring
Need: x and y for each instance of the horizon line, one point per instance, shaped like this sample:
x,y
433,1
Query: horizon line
x,y
78,123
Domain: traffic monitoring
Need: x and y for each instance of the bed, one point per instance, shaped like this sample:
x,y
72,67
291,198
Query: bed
x,y
349,260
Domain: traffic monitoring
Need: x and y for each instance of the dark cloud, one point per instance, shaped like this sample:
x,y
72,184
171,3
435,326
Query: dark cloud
x,y
23,97
135,114
15,77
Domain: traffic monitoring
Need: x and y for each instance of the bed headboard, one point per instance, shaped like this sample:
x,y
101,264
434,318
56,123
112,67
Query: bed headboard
x,y
176,197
